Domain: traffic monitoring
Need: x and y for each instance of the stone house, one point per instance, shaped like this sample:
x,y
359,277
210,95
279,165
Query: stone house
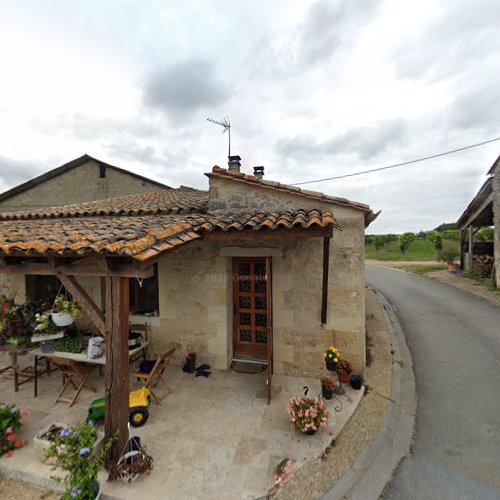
x,y
482,211
80,180
250,269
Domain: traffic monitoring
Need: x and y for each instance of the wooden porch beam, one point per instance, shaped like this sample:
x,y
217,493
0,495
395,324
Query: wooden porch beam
x,y
269,234
116,375
76,269
326,267
85,301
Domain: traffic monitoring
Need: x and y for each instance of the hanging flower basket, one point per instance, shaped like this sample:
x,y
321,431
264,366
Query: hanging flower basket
x,y
62,319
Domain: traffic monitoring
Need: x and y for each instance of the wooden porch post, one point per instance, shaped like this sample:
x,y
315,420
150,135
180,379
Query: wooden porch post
x,y
326,267
462,241
117,368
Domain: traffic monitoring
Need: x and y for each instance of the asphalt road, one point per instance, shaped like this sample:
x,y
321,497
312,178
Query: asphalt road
x,y
454,339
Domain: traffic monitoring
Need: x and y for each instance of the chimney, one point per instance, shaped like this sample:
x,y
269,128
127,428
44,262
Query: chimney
x,y
234,163
258,172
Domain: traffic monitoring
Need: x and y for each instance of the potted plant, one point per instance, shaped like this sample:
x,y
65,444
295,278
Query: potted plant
x,y
327,387
65,311
132,464
343,371
332,357
10,423
72,451
45,329
308,414
449,256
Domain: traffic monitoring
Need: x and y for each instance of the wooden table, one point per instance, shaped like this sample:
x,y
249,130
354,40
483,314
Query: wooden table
x,y
133,355
25,375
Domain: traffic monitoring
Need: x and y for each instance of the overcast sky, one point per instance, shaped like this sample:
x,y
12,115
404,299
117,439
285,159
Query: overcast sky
x,y
313,89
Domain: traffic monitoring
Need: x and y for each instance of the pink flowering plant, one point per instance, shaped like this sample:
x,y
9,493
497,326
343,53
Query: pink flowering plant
x,y
10,423
308,414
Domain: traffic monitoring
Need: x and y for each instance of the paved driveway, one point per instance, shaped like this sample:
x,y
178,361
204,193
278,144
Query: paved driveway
x,y
454,339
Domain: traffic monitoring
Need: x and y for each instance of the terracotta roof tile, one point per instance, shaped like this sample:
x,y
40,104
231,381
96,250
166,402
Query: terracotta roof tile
x,y
138,236
181,200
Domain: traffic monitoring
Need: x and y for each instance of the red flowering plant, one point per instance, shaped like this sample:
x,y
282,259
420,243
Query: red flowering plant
x,y
10,423
308,414
344,370
13,328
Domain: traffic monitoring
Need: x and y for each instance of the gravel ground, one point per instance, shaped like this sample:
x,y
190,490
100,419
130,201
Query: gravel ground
x,y
460,281
11,489
315,478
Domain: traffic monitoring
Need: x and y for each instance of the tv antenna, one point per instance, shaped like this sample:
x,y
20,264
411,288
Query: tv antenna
x,y
226,125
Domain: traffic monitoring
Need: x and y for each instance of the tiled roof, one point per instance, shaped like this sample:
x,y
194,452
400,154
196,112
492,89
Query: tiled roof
x,y
137,236
278,186
182,200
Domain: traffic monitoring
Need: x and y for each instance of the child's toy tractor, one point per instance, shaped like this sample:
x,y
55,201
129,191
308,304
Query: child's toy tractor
x,y
138,408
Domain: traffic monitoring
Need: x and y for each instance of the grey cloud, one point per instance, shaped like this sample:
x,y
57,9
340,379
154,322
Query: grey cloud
x,y
329,24
13,172
364,142
464,33
182,88
89,128
476,109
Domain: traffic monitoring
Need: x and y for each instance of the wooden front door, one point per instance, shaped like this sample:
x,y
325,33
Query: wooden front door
x,y
251,308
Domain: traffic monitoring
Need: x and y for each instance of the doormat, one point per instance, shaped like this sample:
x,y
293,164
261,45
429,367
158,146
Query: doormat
x,y
244,367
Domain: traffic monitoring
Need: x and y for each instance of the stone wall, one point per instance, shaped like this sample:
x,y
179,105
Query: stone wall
x,y
78,185
196,292
496,221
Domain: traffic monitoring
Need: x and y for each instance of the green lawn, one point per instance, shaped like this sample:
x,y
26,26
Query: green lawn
x,y
418,250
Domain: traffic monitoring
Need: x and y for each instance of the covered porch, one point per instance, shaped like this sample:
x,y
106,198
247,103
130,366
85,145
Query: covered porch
x,y
210,438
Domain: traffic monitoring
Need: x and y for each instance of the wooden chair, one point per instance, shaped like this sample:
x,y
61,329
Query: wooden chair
x,y
71,371
151,379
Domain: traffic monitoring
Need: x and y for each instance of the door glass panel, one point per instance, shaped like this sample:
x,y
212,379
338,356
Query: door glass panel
x,y
245,302
261,337
260,320
244,268
260,270
244,285
260,302
245,319
260,286
245,335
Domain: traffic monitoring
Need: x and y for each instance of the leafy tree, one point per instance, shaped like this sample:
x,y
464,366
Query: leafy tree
x,y
405,240
438,243
451,234
485,234
446,226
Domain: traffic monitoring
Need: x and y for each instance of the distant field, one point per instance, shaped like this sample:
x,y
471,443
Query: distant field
x,y
418,250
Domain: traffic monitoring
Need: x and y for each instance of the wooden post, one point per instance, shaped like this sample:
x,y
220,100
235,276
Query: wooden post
x,y
462,260
117,368
326,267
269,311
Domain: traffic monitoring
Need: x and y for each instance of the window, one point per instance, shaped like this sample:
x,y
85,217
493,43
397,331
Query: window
x,y
42,287
144,300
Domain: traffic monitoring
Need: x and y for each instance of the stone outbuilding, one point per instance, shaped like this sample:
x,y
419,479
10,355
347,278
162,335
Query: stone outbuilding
x,y
80,180
250,269
483,211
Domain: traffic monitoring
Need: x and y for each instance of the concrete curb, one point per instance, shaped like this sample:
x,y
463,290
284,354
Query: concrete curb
x,y
373,469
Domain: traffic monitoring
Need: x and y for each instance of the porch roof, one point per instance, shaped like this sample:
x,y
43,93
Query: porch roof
x,y
65,232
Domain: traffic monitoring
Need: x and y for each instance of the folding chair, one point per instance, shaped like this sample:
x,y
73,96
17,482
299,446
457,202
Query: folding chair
x,y
151,379
72,370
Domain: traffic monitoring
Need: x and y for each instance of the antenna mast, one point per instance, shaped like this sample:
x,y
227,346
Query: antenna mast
x,y
226,125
